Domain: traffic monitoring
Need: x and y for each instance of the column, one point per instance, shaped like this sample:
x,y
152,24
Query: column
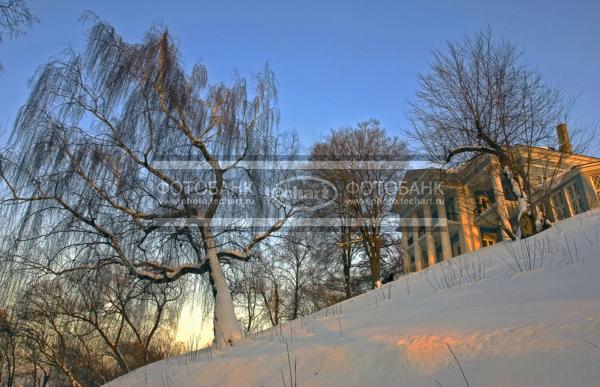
x,y
569,206
444,230
416,244
429,240
593,198
465,229
404,242
464,246
473,228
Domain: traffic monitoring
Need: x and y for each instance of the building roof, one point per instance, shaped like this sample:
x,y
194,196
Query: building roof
x,y
459,173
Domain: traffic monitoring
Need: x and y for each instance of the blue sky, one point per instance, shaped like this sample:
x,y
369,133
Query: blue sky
x,y
337,62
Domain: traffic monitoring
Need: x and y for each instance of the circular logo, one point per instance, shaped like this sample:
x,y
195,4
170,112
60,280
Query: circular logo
x,y
304,193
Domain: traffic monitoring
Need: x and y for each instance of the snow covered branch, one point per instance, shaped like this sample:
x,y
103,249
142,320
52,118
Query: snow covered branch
x,y
464,149
244,253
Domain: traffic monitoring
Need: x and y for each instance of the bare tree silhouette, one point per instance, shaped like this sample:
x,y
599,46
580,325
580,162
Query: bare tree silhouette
x,y
478,98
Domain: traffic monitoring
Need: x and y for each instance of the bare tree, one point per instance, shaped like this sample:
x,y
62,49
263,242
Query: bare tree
x,y
8,348
269,286
116,159
365,189
336,251
300,271
276,286
246,289
294,256
91,327
50,338
479,98
20,362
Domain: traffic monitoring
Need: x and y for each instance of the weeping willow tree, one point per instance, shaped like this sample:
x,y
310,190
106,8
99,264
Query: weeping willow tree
x,y
117,159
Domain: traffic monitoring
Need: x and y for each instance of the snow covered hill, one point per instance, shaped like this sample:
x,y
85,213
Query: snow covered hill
x,y
515,314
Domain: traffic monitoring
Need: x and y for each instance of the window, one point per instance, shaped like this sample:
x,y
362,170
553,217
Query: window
x,y
451,213
482,203
421,231
506,187
488,240
438,254
596,181
434,213
456,249
559,205
575,198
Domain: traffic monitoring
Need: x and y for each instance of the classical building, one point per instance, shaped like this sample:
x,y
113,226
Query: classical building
x,y
446,212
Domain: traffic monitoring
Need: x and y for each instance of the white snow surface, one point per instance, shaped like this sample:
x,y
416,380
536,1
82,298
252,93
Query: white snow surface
x,y
540,327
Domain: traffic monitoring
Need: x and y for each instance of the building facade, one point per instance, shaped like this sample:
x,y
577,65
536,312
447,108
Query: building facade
x,y
446,212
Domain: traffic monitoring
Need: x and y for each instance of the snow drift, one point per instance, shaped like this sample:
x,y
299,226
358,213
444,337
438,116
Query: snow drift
x,y
524,313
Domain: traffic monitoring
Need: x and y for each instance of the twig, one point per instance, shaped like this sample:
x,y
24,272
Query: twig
x,y
289,362
459,366
282,378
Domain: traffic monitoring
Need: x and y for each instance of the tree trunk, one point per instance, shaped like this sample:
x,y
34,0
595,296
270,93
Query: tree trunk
x,y
45,380
525,225
376,268
347,261
296,306
71,378
277,301
226,326
374,252
347,279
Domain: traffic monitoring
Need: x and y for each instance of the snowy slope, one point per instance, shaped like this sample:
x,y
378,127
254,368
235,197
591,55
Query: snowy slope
x,y
540,327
